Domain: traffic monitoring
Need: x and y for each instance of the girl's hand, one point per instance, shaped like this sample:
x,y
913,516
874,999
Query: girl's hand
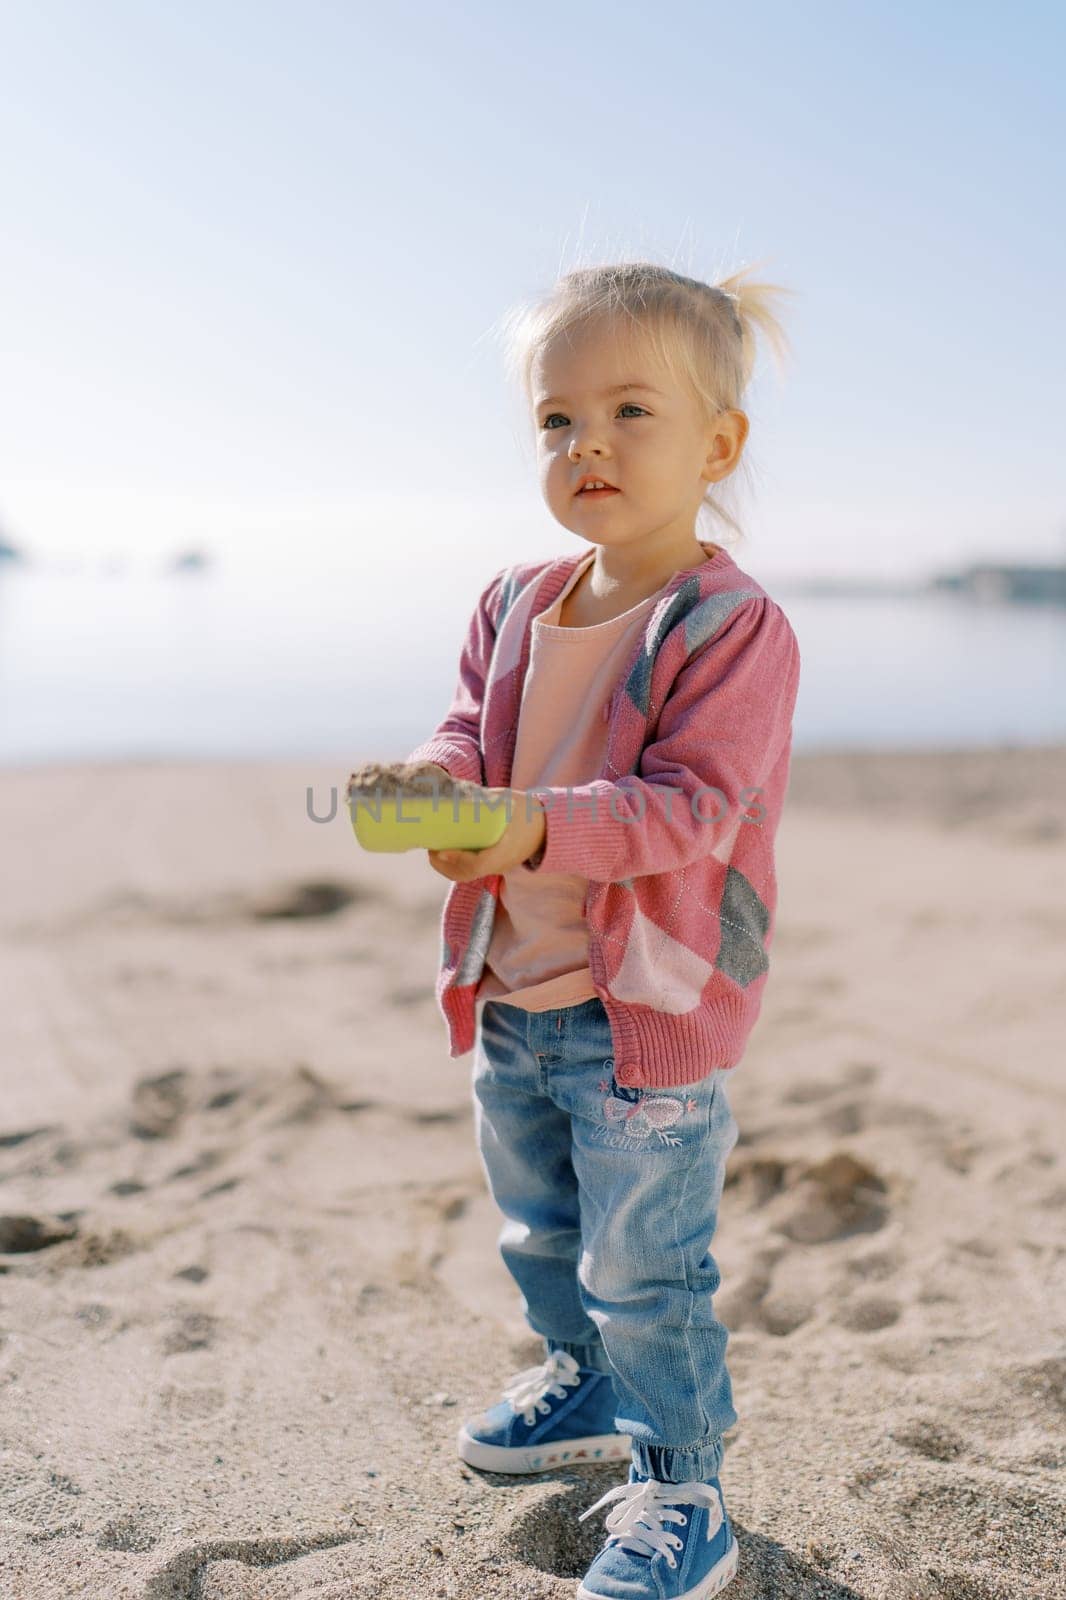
x,y
521,839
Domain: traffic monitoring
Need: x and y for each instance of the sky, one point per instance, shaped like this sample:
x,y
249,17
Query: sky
x,y
253,256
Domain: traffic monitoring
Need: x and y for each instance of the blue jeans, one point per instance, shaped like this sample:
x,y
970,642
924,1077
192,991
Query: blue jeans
x,y
611,1199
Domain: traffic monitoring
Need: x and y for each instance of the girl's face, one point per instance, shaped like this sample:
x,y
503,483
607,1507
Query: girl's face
x,y
607,406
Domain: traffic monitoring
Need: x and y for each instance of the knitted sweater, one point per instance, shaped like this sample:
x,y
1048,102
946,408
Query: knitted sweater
x,y
676,835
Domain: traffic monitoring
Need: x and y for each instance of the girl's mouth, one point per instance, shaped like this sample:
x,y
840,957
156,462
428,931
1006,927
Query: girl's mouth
x,y
594,494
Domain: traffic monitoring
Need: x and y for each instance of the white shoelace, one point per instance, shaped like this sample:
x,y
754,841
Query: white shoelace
x,y
637,1523
527,1389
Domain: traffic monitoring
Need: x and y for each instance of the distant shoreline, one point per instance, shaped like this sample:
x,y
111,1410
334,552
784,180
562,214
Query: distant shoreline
x,y
981,583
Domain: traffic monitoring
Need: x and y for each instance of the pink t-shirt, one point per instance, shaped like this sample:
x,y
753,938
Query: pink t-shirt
x,y
538,955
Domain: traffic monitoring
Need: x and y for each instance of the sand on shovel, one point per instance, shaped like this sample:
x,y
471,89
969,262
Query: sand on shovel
x,y
401,780
377,785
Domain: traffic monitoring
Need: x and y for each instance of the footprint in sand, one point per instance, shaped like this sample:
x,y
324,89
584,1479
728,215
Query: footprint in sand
x,y
756,1179
8,1141
783,1311
224,1187
831,1200
159,1103
929,1437
311,898
20,1234
125,1187
847,1118
215,1565
1040,1386
435,1116
834,1199
193,1274
742,1304
545,1533
36,1496
192,1330
131,1532
205,1161
868,1313
874,1265
854,1074
978,1510
191,1402
318,898
92,1249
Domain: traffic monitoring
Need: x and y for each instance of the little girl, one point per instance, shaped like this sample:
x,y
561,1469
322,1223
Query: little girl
x,y
632,707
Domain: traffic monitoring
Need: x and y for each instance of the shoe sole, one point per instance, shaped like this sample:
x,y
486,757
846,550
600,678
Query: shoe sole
x,y
724,1572
539,1457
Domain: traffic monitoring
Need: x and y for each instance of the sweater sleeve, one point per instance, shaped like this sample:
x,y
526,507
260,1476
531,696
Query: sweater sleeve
x,y
455,745
724,726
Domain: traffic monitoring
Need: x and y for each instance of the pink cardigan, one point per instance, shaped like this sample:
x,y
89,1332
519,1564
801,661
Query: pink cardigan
x,y
682,891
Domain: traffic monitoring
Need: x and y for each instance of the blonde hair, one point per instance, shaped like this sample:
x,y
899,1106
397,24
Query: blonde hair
x,y
705,333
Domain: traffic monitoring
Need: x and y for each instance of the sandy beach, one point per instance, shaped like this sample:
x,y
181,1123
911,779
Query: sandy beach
x,y
249,1283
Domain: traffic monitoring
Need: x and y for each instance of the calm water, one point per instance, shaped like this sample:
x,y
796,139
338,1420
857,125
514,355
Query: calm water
x,y
249,664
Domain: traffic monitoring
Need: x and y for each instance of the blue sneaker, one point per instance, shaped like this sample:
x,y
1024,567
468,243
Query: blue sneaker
x,y
647,1558
551,1415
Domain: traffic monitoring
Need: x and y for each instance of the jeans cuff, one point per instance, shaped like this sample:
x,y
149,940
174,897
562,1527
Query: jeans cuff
x,y
662,1461
586,1355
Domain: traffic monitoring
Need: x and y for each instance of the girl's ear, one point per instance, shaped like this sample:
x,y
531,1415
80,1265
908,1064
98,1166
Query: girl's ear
x,y
726,438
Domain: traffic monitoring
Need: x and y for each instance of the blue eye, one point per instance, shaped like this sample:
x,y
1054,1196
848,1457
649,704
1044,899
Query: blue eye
x,y
627,405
